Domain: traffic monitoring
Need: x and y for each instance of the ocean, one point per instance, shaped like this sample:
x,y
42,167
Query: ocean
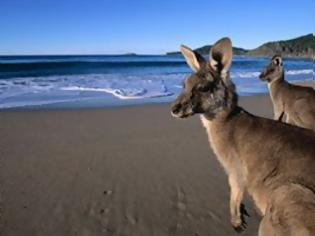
x,y
103,81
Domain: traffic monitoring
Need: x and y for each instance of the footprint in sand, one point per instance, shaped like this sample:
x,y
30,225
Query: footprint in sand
x,y
181,200
108,192
1,214
213,216
131,219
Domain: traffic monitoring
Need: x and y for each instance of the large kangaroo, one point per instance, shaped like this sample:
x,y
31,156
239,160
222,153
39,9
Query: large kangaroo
x,y
274,161
297,103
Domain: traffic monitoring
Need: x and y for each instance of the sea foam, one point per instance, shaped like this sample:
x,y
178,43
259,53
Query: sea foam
x,y
76,87
42,80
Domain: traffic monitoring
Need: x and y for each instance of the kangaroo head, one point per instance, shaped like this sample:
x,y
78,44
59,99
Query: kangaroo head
x,y
274,70
208,89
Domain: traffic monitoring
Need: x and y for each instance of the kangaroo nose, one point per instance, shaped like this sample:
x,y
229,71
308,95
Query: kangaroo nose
x,y
262,75
176,108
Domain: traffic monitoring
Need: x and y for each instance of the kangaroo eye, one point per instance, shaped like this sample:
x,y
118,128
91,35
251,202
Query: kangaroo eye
x,y
270,70
204,87
201,88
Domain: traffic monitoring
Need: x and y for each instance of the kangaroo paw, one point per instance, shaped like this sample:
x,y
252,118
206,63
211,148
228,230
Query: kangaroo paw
x,y
239,224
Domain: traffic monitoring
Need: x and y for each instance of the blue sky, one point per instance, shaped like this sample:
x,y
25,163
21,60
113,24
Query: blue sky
x,y
146,26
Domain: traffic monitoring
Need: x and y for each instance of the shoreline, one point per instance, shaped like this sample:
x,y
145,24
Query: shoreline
x,y
113,102
80,107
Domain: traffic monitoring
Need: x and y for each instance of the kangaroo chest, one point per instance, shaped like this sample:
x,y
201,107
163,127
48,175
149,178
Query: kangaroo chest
x,y
273,92
226,150
277,90
220,144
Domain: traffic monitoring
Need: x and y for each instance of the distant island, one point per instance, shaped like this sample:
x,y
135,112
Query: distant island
x,y
130,54
301,47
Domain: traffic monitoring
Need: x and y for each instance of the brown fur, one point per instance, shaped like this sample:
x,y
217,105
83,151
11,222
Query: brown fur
x,y
297,103
273,161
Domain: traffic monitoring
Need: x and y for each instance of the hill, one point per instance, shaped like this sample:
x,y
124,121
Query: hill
x,y
301,47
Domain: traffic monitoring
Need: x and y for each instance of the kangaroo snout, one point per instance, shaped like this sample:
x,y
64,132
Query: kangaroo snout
x,y
262,75
176,108
181,109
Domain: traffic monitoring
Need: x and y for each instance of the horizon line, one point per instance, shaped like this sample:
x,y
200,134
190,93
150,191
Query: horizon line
x,y
142,54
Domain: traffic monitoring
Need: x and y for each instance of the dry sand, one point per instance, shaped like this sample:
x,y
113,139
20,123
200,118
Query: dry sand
x,y
119,171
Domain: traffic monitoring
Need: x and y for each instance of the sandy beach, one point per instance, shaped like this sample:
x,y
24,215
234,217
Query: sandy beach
x,y
88,144
116,171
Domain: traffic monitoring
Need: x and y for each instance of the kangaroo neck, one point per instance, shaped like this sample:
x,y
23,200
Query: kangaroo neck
x,y
221,119
219,129
275,84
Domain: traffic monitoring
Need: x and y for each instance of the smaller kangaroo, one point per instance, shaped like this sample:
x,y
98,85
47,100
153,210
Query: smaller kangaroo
x,y
273,161
297,103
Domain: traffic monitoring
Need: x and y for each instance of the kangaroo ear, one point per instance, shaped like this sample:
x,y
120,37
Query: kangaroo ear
x,y
277,60
221,55
193,59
